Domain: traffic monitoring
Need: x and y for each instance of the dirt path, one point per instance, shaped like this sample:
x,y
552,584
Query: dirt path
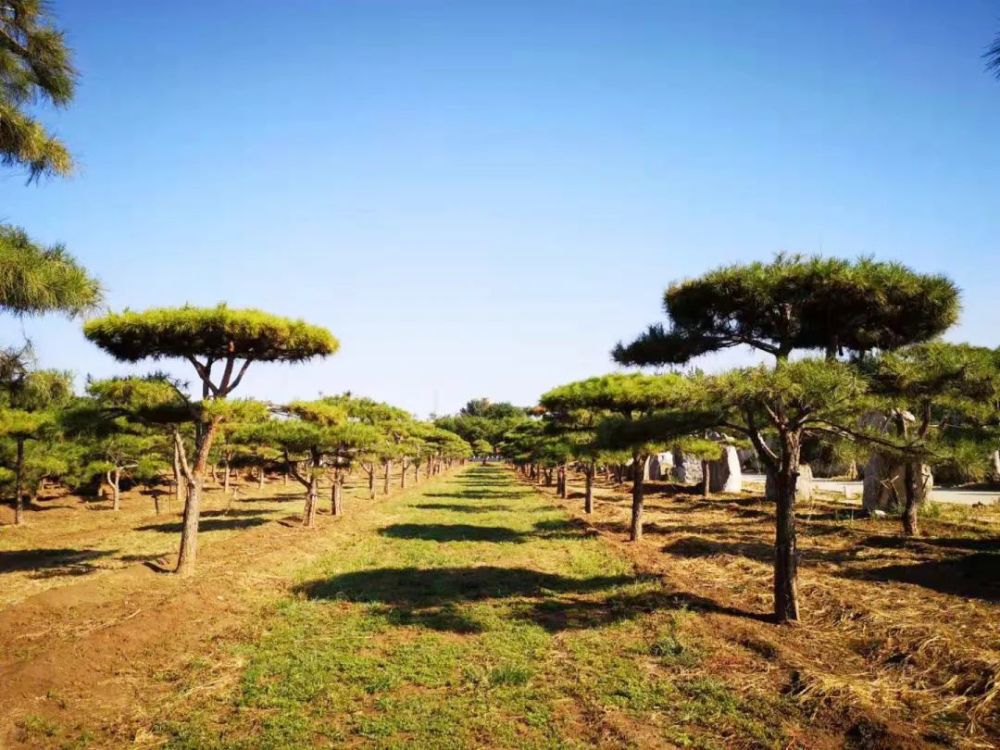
x,y
92,652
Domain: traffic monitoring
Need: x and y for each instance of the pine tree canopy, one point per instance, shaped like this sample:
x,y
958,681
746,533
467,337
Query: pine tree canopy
x,y
797,302
216,334
35,68
620,393
36,280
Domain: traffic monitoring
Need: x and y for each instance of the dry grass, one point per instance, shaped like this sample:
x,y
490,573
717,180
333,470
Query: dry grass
x,y
900,640
68,537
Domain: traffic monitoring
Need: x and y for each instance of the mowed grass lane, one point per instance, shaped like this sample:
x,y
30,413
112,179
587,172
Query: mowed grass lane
x,y
474,615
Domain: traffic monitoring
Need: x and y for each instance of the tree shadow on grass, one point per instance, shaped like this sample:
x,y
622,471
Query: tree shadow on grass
x,y
207,524
564,529
51,562
475,494
452,532
460,508
976,575
434,597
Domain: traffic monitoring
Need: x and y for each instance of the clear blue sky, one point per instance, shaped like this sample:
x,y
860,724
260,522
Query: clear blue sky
x,y
480,198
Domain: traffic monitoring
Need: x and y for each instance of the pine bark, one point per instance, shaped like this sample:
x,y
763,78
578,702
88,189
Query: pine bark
x,y
635,527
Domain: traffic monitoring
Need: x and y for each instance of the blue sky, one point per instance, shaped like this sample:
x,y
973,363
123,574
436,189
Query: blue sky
x,y
480,198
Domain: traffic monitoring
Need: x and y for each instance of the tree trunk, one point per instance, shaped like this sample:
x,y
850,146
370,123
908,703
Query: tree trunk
x,y
388,473
336,494
706,480
562,482
371,483
312,503
635,528
178,477
588,493
215,473
114,479
192,505
19,484
402,476
225,481
189,532
260,477
911,476
786,599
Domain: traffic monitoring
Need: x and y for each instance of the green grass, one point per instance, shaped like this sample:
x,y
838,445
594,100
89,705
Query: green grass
x,y
475,615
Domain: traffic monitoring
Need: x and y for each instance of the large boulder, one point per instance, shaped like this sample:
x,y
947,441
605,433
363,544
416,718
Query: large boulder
x,y
724,474
803,486
687,468
884,485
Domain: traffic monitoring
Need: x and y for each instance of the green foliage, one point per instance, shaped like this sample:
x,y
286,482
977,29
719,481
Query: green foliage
x,y
481,419
813,394
627,395
216,333
943,400
797,302
34,66
36,279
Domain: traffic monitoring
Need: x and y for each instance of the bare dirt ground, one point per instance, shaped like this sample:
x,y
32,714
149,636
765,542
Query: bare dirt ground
x,y
899,644
88,624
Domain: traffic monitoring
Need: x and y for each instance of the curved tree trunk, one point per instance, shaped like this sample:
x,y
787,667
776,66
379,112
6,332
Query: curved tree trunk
x,y
312,503
19,484
786,598
192,506
336,495
635,528
178,476
114,479
189,531
912,475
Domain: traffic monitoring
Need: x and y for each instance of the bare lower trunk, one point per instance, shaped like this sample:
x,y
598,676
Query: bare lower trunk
x,y
635,528
388,472
19,485
706,484
402,477
195,477
312,503
371,483
562,482
178,477
225,480
786,599
114,479
588,492
911,475
189,532
260,478
336,495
